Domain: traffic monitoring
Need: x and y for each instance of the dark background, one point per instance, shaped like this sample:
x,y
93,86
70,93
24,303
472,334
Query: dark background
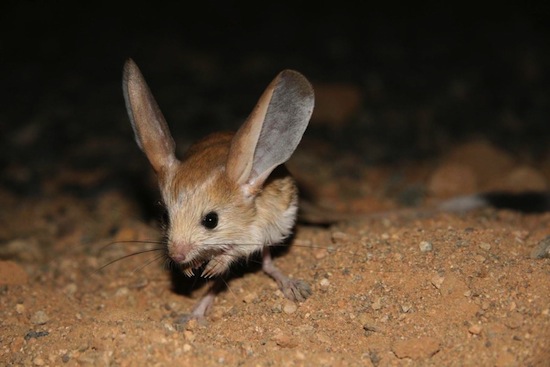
x,y
473,70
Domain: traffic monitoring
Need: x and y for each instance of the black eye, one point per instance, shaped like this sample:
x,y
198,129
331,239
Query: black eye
x,y
210,220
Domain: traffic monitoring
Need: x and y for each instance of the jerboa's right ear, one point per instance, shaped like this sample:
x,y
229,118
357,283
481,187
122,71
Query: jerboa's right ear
x,y
150,128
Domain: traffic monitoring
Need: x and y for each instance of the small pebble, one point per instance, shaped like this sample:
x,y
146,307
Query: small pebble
x,y
437,281
249,297
370,328
189,335
70,289
320,254
425,246
277,308
38,361
406,308
123,291
514,320
283,340
461,243
35,334
290,307
542,250
485,246
19,308
339,236
40,318
168,327
324,283
475,329
324,338
416,348
479,258
192,324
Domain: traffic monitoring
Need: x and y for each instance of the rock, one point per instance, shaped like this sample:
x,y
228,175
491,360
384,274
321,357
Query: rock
x,y
40,318
323,338
377,304
542,250
425,246
122,292
419,348
70,289
250,297
406,308
339,237
189,335
485,246
289,307
475,329
283,340
514,320
277,308
370,329
32,334
437,280
479,258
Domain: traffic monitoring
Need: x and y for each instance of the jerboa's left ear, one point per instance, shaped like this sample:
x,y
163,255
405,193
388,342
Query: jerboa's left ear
x,y
272,131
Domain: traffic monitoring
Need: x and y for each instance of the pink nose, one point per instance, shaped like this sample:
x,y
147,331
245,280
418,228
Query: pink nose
x,y
178,251
178,257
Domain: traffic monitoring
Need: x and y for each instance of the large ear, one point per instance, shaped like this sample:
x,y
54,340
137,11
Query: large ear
x,y
272,131
150,128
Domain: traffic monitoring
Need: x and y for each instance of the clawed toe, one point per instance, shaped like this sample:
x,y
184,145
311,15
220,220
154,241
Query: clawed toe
x,y
296,290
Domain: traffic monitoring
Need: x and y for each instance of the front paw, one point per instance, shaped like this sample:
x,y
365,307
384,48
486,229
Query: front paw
x,y
296,290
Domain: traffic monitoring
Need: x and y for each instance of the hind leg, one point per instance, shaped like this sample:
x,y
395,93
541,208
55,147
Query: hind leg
x,y
293,289
203,306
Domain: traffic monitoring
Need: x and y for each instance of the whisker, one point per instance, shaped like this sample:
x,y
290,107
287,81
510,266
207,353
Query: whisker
x,y
230,244
169,264
134,242
129,255
228,287
141,267
275,245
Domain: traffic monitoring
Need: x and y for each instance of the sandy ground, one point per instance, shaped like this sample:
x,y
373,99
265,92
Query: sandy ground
x,y
407,289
